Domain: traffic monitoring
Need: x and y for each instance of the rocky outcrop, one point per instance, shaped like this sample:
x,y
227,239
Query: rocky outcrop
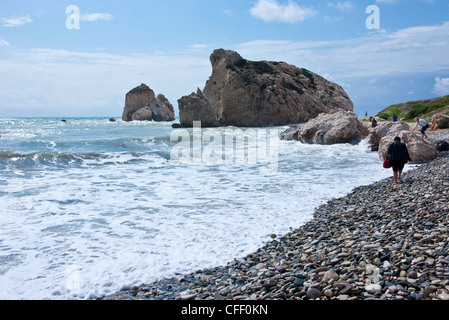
x,y
196,107
437,120
333,128
248,94
420,150
382,130
143,105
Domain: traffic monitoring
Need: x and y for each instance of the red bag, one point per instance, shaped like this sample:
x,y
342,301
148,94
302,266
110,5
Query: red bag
x,y
387,164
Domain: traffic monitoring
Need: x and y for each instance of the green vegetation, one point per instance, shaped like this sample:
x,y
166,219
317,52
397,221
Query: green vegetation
x,y
421,109
443,124
140,89
292,86
260,67
309,75
413,109
389,112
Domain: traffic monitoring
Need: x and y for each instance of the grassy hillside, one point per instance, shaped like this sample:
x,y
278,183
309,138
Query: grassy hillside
x,y
421,108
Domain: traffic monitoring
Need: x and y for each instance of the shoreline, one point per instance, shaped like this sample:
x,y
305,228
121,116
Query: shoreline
x,y
379,242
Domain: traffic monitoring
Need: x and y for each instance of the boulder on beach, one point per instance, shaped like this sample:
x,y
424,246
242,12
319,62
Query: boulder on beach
x,y
438,120
420,150
328,128
382,130
143,105
442,145
247,93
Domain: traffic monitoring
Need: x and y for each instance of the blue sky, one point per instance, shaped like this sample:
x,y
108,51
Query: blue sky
x,y
48,69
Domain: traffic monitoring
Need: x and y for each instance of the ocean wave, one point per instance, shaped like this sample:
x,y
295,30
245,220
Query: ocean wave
x,y
46,158
10,156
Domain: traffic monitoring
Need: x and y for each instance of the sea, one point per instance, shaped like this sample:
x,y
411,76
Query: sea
x,y
90,206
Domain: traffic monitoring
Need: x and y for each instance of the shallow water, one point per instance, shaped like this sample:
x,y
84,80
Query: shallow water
x,y
89,207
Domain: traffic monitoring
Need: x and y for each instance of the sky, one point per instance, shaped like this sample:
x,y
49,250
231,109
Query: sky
x,y
80,57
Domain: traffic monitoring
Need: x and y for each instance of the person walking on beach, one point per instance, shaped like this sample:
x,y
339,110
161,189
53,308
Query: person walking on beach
x,y
398,156
424,126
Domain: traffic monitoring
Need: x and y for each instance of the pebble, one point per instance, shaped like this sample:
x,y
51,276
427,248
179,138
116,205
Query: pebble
x,y
313,294
377,242
373,288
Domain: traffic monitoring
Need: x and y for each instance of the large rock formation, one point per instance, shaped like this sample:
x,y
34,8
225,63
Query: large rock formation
x,y
420,150
247,94
143,105
328,128
382,130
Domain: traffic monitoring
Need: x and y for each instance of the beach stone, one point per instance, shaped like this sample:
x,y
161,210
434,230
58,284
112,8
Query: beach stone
x,y
299,282
328,293
330,275
443,296
313,294
270,283
373,288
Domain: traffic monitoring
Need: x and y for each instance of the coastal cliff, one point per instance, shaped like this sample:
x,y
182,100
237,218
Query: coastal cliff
x,y
247,93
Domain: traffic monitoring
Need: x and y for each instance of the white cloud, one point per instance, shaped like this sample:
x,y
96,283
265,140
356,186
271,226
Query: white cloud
x,y
3,42
81,83
407,51
60,82
441,86
342,6
273,10
228,12
90,17
200,46
16,21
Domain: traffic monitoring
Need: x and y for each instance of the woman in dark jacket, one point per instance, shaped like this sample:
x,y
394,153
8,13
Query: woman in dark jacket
x,y
398,156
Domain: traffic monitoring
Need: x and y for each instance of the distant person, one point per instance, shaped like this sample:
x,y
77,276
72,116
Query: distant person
x,y
374,123
398,156
424,126
395,117
366,113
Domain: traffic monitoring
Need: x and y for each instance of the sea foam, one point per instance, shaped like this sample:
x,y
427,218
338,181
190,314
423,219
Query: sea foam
x,y
107,209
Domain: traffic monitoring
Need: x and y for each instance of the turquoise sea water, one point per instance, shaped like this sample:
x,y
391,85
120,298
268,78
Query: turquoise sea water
x,y
89,206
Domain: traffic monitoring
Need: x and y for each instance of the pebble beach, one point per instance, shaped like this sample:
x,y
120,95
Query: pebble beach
x,y
380,242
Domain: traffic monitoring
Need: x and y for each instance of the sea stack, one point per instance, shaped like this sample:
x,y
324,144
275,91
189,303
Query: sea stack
x,y
143,105
247,93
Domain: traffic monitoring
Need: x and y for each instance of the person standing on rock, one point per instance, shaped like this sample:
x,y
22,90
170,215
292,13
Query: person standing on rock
x,y
398,156
424,126
395,118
